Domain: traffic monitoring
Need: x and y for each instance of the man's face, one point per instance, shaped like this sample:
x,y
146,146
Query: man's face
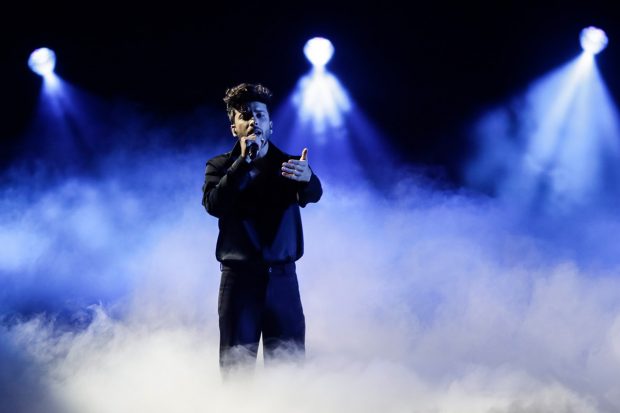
x,y
253,120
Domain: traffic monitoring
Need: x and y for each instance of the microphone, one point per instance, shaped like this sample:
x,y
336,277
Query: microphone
x,y
252,148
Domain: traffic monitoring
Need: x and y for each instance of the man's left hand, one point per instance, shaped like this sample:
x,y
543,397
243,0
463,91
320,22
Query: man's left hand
x,y
297,170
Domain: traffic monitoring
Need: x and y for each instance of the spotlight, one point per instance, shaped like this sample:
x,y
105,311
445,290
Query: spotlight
x,y
42,61
319,51
593,40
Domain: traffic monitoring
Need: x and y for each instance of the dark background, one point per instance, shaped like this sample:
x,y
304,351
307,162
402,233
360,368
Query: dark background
x,y
421,74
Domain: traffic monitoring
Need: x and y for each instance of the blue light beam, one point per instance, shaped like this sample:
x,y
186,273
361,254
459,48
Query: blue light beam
x,y
556,148
321,116
322,103
62,130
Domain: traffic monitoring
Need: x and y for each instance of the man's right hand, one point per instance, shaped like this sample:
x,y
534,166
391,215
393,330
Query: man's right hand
x,y
244,145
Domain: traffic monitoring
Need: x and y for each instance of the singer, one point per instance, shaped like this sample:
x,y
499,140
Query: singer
x,y
255,191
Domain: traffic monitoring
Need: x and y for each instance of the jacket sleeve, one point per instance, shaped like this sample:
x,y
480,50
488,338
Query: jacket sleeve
x,y
310,191
221,188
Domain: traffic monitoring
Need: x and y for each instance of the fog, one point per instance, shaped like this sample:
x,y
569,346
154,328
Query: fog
x,y
417,299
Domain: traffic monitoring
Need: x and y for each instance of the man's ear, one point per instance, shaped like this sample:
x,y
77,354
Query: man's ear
x,y
270,127
233,130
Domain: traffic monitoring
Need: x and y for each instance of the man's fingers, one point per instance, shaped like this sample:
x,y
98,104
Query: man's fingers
x,y
296,162
295,165
290,176
304,155
290,169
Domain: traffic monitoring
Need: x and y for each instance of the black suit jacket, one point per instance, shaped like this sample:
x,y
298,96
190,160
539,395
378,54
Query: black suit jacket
x,y
259,218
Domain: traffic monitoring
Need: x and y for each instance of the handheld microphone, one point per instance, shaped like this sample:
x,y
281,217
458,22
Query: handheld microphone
x,y
252,148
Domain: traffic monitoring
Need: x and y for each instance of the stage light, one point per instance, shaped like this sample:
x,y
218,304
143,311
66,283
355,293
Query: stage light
x,y
593,40
319,51
42,61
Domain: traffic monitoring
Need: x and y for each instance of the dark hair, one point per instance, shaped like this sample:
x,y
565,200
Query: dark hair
x,y
240,96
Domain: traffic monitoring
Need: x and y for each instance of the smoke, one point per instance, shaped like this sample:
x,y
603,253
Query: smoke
x,y
421,300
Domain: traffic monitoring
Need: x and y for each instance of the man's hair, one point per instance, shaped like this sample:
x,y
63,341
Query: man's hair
x,y
239,97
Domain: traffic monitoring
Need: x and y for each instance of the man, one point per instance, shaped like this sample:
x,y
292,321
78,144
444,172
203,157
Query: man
x,y
256,190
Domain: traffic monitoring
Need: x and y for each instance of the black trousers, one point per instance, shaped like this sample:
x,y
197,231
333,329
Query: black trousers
x,y
259,299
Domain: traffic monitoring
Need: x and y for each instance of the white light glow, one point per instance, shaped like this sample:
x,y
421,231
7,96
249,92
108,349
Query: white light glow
x,y
42,61
593,40
319,51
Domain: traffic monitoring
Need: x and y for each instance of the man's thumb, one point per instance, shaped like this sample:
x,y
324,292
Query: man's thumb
x,y
304,155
